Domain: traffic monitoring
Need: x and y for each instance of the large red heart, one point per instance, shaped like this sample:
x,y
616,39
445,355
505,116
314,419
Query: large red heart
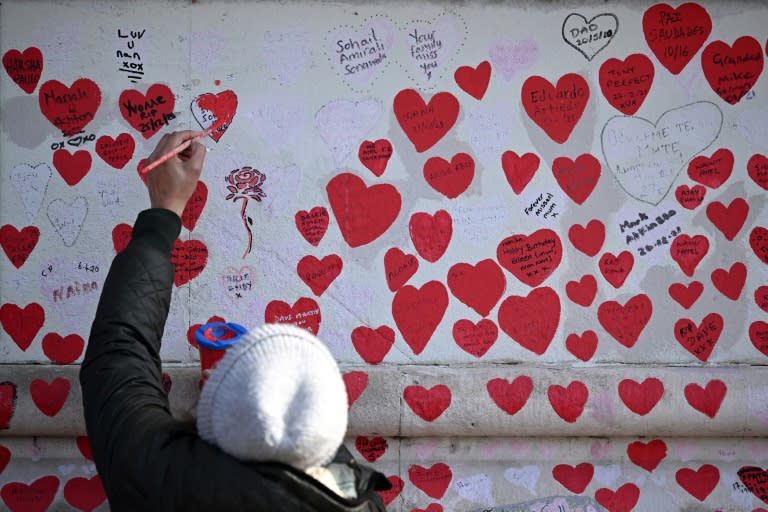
x,y
63,350
757,168
70,109
712,171
568,402
758,240
148,113
215,112
706,400
25,67
758,335
5,458
510,396
35,497
584,346
121,236
728,219
188,258
574,478
626,83
399,267
690,198
431,234
22,324
371,448
616,269
355,383
531,321
531,258
425,123
116,152
626,323
362,213
375,155
577,178
194,206
588,240
647,455
756,480
688,251
641,398
701,340
434,480
686,296
478,286
85,493
373,344
319,274
555,109
428,404
450,178
418,312
192,331
18,245
732,70
519,170
583,291
72,166
84,446
676,35
474,81
50,398
312,224
730,282
305,313
389,495
475,339
699,483
7,403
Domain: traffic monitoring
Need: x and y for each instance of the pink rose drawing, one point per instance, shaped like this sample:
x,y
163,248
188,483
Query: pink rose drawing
x,y
245,183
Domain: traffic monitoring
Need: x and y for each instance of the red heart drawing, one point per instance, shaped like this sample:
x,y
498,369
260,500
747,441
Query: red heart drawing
x,y
555,109
686,296
577,178
757,168
712,171
85,493
732,70
371,448
25,67
425,123
568,402
761,298
701,340
193,329
428,404
583,291
512,396
688,251
18,245
7,403
690,198
478,286
188,258
5,458
35,497
143,176
399,267
616,269
756,480
72,166
84,445
450,178
22,324
356,383
319,274
584,346
699,483
121,236
531,258
474,81
706,400
116,152
362,213
373,345
574,478
194,206
375,155
475,339
305,313
50,398
758,241
312,224
729,220
433,481
69,109
626,83
641,398
730,282
418,312
389,495
531,321
758,335
63,350
431,234
622,499
626,323
676,35
432,507
215,111
148,113
647,455
519,170
588,240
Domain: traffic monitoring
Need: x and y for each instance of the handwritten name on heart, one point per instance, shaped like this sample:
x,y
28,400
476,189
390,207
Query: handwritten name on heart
x,y
189,259
675,35
756,480
431,234
304,313
18,496
116,152
148,113
616,269
319,274
531,258
475,339
238,284
434,480
425,123
647,157
626,322
215,110
399,267
699,340
589,37
757,168
688,251
758,240
430,47
577,178
360,54
18,244
375,155
712,171
450,178
531,320
626,83
732,71
555,109
418,311
371,448
312,224
690,198
69,109
25,67
22,324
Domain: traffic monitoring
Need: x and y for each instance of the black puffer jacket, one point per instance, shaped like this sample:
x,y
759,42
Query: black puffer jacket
x,y
148,460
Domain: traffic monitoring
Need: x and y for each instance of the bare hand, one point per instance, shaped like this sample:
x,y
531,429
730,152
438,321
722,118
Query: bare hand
x,y
172,183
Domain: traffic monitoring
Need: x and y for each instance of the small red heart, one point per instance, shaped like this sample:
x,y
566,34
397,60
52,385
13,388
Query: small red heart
x,y
531,321
8,396
699,483
18,245
701,340
583,291
399,267
194,206
431,234
69,109
732,70
22,324
375,155
531,258
519,170
756,480
371,448
690,23
84,445
304,313
626,83
428,404
72,166
686,296
729,220
389,495
373,345
730,282
475,339
478,286
690,198
622,499
757,168
588,239
641,398
433,481
450,178
626,323
568,402
418,311
5,458
555,109
758,241
510,396
474,81
218,110
616,269
85,493
116,152
149,113
584,346
63,350
425,123
50,398
647,455
708,399
758,335
577,178
312,224
574,478
356,383
761,297
25,67
319,274
688,251
189,259
121,236
21,497
712,171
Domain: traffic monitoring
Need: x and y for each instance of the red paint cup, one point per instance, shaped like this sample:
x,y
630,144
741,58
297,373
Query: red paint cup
x,y
213,340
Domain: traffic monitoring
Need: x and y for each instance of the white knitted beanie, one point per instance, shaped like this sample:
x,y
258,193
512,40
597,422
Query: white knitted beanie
x,y
276,395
